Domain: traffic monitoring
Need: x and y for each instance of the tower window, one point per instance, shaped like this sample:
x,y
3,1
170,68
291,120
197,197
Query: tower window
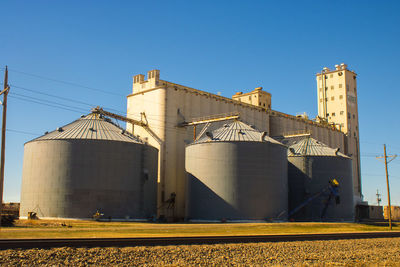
x,y
250,98
340,85
354,116
340,73
341,112
333,114
341,97
331,76
332,98
348,115
332,87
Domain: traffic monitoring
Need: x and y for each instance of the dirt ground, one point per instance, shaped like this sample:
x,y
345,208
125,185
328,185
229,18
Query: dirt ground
x,y
379,251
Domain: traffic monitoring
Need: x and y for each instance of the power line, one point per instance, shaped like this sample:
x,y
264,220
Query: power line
x,y
22,132
68,107
65,107
59,97
81,102
41,103
65,82
46,101
80,110
380,175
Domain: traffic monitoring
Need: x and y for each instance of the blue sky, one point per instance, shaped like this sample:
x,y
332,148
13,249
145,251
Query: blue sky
x,y
216,46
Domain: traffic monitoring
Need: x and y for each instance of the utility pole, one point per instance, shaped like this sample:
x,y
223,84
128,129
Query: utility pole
x,y
3,138
387,182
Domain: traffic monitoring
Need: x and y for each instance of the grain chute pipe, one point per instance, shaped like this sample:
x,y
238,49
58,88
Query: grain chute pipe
x,y
99,110
141,123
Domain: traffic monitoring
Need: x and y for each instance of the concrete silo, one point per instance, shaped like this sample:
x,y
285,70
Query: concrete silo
x,y
86,166
311,166
236,173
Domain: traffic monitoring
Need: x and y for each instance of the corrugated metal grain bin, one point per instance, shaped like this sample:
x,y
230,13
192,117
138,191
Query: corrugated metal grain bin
x,y
311,166
236,173
87,166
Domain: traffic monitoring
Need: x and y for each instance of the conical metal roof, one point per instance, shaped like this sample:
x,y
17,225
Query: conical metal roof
x,y
311,147
91,127
234,132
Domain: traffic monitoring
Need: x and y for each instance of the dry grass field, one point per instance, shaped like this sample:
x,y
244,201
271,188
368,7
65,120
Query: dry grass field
x,y
358,252
88,229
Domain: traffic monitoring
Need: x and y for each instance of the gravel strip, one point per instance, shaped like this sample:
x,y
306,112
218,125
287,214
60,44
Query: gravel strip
x,y
380,251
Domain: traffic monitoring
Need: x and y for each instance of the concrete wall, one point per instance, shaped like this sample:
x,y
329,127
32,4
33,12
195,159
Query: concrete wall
x,y
285,125
75,178
338,103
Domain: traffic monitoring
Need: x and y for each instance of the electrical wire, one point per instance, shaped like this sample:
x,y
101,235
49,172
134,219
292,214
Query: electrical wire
x,y
81,102
77,109
45,104
22,132
69,107
65,82
50,95
45,101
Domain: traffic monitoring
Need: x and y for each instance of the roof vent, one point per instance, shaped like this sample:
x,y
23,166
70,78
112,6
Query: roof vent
x,y
291,149
337,151
240,132
210,135
46,132
60,129
122,131
82,116
92,129
226,125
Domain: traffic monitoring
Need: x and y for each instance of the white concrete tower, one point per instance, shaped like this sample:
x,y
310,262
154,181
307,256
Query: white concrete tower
x,y
337,104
